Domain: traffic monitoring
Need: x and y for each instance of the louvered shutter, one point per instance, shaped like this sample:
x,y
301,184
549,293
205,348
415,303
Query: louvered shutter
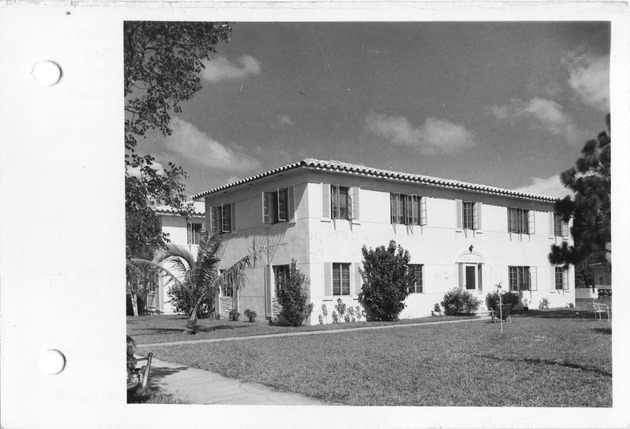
x,y
327,279
354,203
533,280
268,293
266,207
423,210
358,280
531,222
477,216
325,200
233,217
459,208
291,204
552,232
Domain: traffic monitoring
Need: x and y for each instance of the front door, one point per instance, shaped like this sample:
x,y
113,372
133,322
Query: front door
x,y
470,277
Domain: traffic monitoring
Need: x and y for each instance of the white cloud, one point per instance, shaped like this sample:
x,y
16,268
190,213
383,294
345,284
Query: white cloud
x,y
219,68
589,76
197,146
285,120
135,172
433,137
547,113
551,187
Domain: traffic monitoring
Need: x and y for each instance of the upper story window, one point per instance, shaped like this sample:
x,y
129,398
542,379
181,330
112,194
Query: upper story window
x,y
468,215
560,228
278,205
194,232
522,278
340,202
223,219
408,209
521,221
417,286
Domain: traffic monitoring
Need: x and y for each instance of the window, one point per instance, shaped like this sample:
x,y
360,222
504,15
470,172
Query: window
x,y
560,228
518,220
222,219
277,206
280,274
407,209
341,279
520,278
468,215
340,202
417,286
194,232
226,290
561,279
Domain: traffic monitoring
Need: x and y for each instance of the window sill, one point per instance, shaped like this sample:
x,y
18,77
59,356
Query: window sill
x,y
326,219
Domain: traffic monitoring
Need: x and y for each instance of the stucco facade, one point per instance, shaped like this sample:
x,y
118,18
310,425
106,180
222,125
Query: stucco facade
x,y
458,233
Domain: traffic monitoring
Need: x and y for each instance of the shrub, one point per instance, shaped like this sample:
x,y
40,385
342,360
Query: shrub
x,y
234,315
492,299
544,303
334,317
293,297
183,301
250,314
359,312
458,302
341,307
320,319
386,282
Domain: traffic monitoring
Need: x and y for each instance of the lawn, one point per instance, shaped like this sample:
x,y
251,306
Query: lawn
x,y
165,329
557,358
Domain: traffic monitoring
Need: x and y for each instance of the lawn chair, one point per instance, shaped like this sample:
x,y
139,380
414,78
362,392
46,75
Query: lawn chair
x,y
502,313
138,378
600,308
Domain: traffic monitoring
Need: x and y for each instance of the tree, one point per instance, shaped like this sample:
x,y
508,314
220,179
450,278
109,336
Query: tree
x,y
197,278
386,281
293,297
589,206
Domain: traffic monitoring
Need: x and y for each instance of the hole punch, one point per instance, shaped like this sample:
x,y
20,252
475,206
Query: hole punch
x,y
47,73
51,362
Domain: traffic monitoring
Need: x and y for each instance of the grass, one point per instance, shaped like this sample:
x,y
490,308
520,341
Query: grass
x,y
153,398
553,358
165,329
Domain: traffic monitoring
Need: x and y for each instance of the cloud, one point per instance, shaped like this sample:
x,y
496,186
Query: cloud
x,y
547,113
135,171
589,76
219,68
433,137
551,187
197,146
285,120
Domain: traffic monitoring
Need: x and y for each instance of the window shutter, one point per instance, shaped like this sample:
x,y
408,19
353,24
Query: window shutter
x,y
533,280
479,280
459,214
189,230
268,292
358,280
266,213
423,210
336,210
214,219
233,217
477,216
460,273
325,200
354,205
208,216
291,204
552,233
531,227
327,279
392,208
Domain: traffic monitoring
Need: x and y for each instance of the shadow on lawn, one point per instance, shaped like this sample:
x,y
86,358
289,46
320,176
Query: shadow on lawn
x,y
159,331
557,313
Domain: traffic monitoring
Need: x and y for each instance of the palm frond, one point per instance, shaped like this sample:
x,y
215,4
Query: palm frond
x,y
137,265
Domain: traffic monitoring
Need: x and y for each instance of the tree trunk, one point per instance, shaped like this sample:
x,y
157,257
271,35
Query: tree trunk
x,y
134,304
191,326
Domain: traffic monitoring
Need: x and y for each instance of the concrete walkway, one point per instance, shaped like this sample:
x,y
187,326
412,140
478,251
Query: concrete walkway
x,y
198,386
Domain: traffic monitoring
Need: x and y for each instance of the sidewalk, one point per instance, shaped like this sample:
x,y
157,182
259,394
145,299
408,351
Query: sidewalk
x,y
204,387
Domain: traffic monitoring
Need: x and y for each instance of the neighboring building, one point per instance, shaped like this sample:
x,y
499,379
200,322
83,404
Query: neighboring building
x,y
459,235
180,232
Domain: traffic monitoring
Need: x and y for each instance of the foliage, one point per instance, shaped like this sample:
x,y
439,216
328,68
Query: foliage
x,y
234,315
335,318
359,312
492,299
589,207
458,302
437,308
341,307
250,314
386,281
351,313
544,304
293,297
320,319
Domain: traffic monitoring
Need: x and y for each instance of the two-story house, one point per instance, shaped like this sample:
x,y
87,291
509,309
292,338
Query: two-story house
x,y
321,213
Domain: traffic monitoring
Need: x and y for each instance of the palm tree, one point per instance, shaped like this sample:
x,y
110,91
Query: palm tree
x,y
201,280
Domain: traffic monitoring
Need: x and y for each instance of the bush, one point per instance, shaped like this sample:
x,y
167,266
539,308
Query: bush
x,y
183,301
293,297
386,282
250,314
234,315
458,302
492,299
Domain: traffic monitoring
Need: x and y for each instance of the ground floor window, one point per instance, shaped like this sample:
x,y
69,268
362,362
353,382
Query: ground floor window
x,y
561,278
280,274
520,278
226,290
418,284
341,279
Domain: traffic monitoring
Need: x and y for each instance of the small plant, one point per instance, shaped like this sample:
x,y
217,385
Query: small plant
x,y
341,307
544,304
320,319
234,315
492,299
325,312
437,309
458,302
570,305
346,318
351,313
334,317
250,314
359,312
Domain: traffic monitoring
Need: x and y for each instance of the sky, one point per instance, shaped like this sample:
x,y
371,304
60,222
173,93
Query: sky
x,y
505,104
